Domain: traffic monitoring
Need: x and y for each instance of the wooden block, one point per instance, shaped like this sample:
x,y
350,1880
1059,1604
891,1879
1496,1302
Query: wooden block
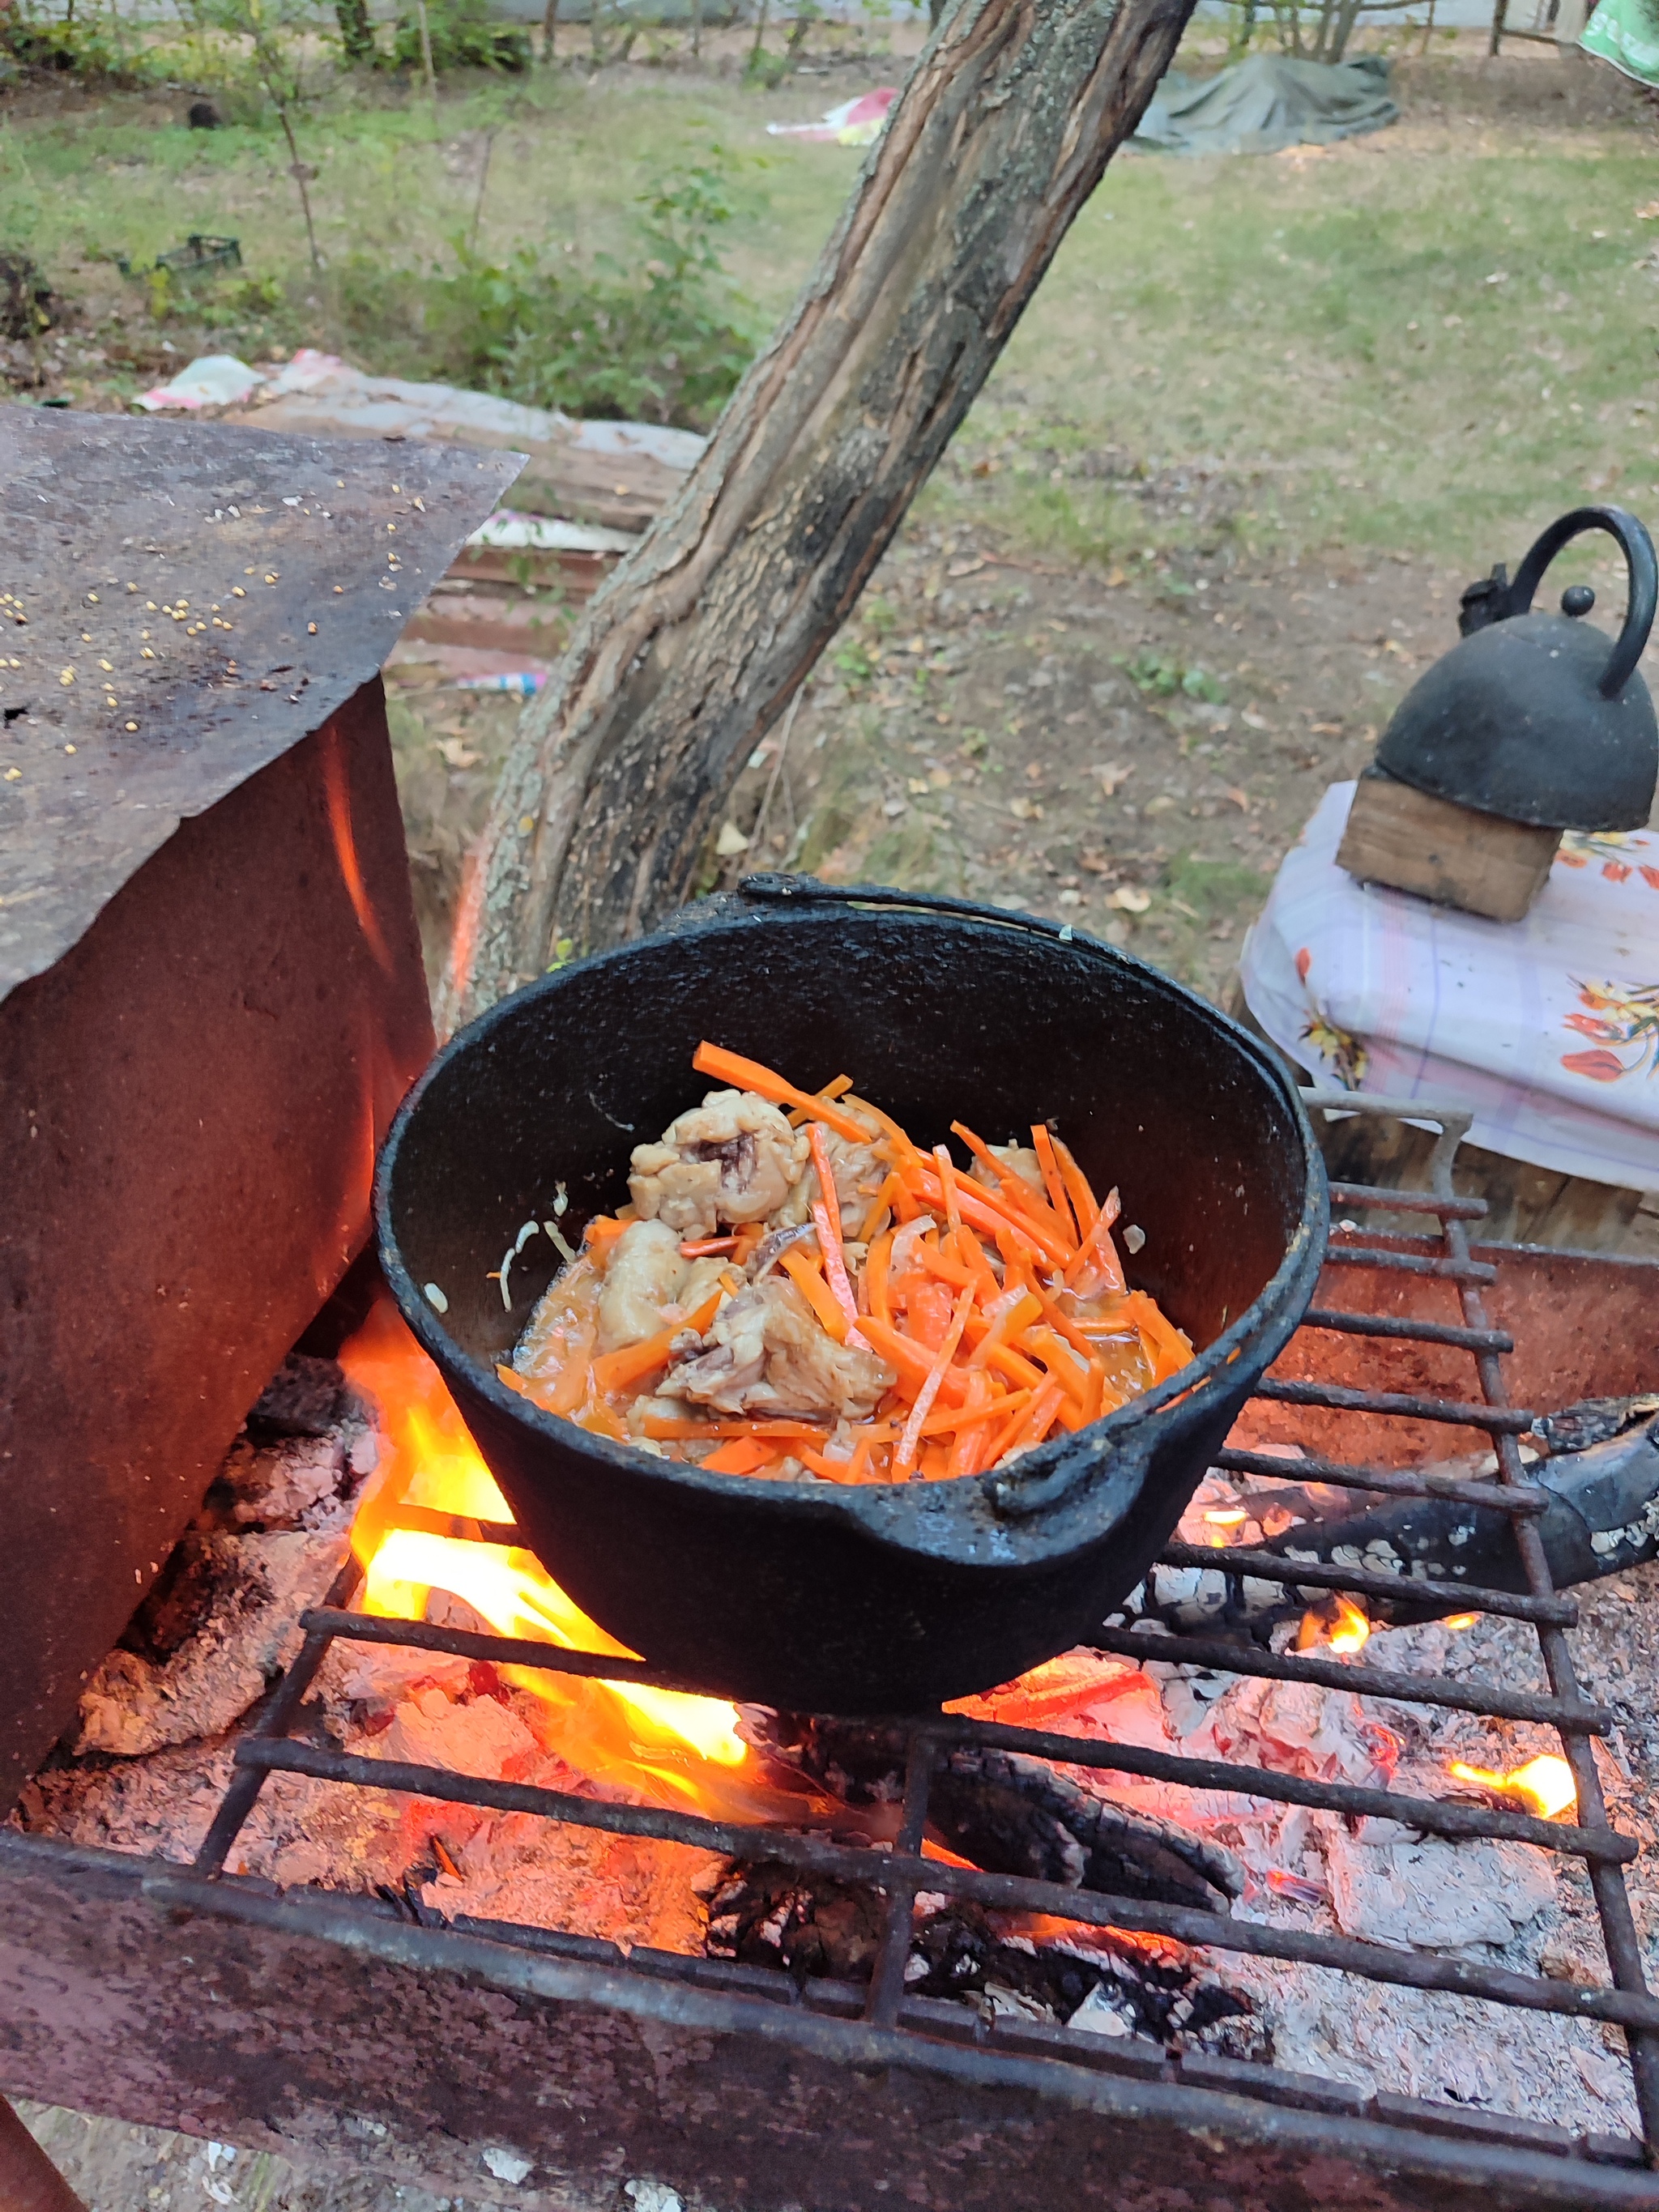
x,y
1451,854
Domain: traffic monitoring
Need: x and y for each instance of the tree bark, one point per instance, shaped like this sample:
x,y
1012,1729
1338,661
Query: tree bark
x,y
699,641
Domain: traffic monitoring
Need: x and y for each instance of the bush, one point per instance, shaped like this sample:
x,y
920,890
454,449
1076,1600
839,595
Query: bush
x,y
463,37
664,341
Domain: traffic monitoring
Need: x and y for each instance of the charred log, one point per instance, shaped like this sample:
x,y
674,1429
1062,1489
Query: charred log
x,y
1603,1474
1010,1814
764,1914
697,644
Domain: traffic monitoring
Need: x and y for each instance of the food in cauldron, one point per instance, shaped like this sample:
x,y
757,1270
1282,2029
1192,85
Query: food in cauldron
x,y
798,1290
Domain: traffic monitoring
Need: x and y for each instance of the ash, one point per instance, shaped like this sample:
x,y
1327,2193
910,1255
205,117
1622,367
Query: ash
x,y
144,1767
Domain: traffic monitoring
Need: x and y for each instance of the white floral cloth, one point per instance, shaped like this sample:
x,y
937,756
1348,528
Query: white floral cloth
x,y
1548,1029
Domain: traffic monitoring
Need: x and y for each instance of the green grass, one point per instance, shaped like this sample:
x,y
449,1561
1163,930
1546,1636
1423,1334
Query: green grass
x,y
1322,337
1328,334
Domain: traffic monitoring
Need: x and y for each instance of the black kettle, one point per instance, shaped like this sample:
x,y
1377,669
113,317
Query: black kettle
x,y
1539,718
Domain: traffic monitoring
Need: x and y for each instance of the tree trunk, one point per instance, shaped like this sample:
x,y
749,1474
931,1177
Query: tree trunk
x,y
356,32
699,641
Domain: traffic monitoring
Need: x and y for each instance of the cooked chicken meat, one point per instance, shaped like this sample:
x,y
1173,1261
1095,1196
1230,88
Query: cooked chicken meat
x,y
733,1159
647,1273
766,1353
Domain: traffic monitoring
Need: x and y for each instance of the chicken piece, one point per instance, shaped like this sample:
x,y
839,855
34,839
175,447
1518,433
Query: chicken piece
x,y
733,1159
768,1353
646,1273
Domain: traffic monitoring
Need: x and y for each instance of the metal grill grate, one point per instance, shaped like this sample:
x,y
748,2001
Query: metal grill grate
x,y
1443,1252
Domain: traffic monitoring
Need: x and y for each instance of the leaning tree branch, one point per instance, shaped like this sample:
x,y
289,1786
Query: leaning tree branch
x,y
698,643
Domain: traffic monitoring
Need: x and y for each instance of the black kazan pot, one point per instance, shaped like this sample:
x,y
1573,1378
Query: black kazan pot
x,y
886,1597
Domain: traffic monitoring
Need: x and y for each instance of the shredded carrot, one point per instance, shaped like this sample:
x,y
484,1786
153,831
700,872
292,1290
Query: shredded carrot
x,y
1054,1182
817,1292
1008,1316
830,1090
749,1075
905,1458
615,1371
880,1205
1098,1248
1084,1204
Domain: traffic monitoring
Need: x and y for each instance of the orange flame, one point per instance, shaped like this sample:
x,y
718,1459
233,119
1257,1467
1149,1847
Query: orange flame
x,y
1459,1621
1546,1783
346,847
431,1476
1349,1633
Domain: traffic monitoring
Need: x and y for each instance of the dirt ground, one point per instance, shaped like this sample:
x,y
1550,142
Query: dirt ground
x,y
1016,731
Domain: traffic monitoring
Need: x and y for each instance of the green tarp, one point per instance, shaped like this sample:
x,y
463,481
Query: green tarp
x,y
1268,102
1626,33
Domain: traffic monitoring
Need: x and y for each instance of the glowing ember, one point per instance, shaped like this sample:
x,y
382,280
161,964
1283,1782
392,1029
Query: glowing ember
x,y
1459,1621
431,1477
1546,1783
1348,1632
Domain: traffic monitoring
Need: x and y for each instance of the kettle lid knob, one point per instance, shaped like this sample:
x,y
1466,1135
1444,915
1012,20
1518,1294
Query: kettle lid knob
x,y
1577,599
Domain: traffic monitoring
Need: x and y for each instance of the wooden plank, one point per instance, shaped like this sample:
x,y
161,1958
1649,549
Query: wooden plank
x,y
1451,854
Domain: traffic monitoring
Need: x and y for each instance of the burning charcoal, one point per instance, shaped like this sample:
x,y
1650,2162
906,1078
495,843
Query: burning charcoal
x,y
299,1483
305,1397
1011,1814
764,1914
226,1628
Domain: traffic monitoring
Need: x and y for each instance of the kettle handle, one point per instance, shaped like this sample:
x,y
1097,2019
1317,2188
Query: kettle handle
x,y
1644,589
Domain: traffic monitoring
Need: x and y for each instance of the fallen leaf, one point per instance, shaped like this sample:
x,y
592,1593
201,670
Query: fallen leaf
x,y
458,753
1025,809
966,567
1649,213
1113,777
918,787
1130,898
1253,722
1077,715
1327,729
730,841
1095,863
1240,799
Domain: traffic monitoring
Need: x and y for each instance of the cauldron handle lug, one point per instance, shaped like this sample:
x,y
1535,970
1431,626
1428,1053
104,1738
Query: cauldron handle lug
x,y
1637,547
1128,1463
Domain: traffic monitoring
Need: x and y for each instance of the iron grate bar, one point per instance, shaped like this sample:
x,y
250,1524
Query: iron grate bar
x,y
1390,1482
1336,1397
1371,1196
1092,1908
1403,1328
1314,1574
1366,1681
1409,1263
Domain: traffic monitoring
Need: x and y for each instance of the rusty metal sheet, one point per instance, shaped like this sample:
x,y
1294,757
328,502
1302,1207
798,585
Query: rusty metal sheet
x,y
180,603
327,2030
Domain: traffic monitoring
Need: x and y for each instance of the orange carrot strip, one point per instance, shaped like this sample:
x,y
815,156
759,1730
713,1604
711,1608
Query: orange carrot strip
x,y
941,1264
816,1291
1015,1193
1098,1248
835,1270
615,1371
1168,1348
903,1144
604,1228
1054,1182
955,1419
874,1283
913,1363
830,1090
905,1458
1084,1204
967,1247
741,1456
883,1202
1038,1419
749,1075
985,1211
964,1448
1009,1434
1016,1316
826,1176
947,1183
707,1248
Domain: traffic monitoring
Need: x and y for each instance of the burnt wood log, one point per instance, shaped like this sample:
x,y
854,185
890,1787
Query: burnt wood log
x,y
1007,1814
699,641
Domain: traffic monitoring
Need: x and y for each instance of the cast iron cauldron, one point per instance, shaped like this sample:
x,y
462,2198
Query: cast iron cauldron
x,y
879,1598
